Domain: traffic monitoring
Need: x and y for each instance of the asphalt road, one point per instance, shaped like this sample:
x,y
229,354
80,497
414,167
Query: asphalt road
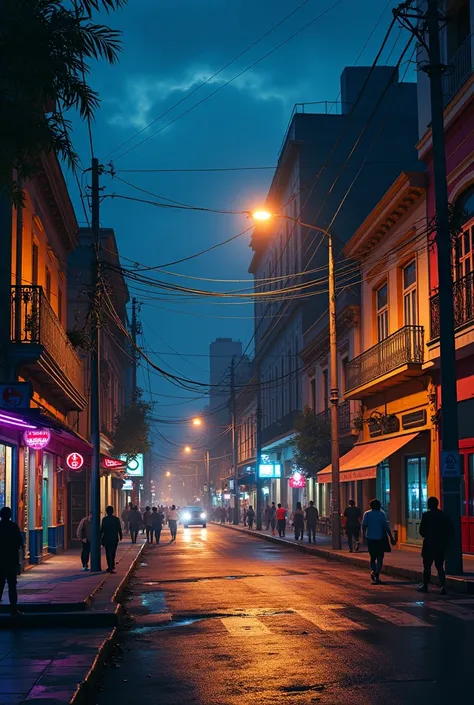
x,y
219,618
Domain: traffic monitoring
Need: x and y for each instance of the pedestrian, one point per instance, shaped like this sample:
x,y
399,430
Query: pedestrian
x,y
11,543
266,517
230,513
135,522
173,521
436,529
298,522
223,515
377,532
312,518
281,520
250,517
157,520
352,519
111,534
84,535
273,519
125,513
146,519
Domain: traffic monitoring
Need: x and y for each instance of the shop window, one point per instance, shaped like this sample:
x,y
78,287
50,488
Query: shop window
x,y
417,487
410,307
5,476
383,486
382,312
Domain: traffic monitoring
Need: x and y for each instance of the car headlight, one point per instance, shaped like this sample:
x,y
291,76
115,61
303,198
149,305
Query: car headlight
x,y
203,515
187,516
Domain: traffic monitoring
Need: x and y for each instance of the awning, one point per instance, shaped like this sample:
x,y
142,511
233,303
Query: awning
x,y
360,463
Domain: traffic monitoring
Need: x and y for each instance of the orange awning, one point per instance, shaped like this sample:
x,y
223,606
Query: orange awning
x,y
360,463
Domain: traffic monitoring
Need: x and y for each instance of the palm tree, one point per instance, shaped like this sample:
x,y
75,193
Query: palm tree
x,y
46,49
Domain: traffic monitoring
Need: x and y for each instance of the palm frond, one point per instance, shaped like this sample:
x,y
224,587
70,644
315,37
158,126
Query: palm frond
x,y
107,5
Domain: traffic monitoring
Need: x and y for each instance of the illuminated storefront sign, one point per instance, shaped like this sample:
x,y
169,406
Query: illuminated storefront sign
x,y
297,481
37,438
112,463
133,466
269,470
127,486
74,461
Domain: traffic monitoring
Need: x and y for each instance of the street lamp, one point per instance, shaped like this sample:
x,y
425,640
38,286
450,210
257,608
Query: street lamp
x,y
187,449
262,216
197,421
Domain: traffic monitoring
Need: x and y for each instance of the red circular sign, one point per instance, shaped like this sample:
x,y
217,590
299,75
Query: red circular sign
x,y
37,438
75,461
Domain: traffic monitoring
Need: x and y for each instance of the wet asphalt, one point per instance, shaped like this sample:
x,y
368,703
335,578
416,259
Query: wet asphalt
x,y
220,618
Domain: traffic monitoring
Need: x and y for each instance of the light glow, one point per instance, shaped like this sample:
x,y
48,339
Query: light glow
x,y
197,422
203,515
187,516
37,439
261,215
187,449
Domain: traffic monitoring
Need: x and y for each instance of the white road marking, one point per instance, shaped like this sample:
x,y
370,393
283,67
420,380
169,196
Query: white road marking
x,y
390,614
453,610
244,626
325,617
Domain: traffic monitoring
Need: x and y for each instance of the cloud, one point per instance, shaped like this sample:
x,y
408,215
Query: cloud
x,y
145,94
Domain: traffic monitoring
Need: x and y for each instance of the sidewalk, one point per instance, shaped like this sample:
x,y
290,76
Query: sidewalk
x,y
401,562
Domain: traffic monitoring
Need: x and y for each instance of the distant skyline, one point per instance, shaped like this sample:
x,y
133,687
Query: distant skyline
x,y
169,49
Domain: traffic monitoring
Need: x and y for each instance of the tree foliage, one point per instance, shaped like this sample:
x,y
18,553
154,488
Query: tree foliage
x,y
132,428
312,444
46,50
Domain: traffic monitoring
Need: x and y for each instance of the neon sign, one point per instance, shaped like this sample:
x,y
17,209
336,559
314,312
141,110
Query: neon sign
x,y
37,438
75,461
297,481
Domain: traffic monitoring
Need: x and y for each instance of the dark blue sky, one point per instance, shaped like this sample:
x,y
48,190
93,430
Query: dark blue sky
x,y
170,46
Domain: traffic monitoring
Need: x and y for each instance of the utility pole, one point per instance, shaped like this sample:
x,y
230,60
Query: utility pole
x,y
134,330
335,508
235,440
95,370
258,454
429,22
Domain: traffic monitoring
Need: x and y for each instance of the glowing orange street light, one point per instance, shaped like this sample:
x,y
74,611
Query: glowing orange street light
x,y
197,422
187,449
261,215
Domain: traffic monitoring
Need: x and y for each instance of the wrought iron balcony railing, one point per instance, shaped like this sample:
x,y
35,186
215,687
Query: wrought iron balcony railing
x,y
344,413
458,71
404,347
463,304
33,322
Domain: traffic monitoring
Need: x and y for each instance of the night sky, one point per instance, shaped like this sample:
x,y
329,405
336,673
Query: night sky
x,y
170,47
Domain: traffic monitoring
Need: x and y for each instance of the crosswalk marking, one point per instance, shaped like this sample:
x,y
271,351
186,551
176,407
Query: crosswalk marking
x,y
244,626
397,617
455,610
325,617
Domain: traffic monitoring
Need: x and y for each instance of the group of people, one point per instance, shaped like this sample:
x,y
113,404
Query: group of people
x,y
276,517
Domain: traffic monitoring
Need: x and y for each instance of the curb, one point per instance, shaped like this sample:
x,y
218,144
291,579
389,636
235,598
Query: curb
x,y
83,694
460,585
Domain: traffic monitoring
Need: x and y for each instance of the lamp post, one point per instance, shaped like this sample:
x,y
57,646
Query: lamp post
x,y
262,216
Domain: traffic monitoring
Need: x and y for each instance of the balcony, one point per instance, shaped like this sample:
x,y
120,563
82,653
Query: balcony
x,y
390,362
344,413
458,71
463,304
42,349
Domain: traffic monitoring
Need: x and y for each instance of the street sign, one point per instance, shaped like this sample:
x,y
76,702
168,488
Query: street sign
x,y
450,463
16,396
74,461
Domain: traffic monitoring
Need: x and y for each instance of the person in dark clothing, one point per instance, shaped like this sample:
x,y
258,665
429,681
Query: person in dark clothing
x,y
312,518
436,529
273,517
111,534
135,523
147,524
352,519
250,517
10,544
84,535
298,522
157,520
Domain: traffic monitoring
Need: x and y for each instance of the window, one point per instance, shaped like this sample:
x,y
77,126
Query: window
x,y
464,251
382,312
48,284
326,389
470,469
417,489
410,314
34,264
313,394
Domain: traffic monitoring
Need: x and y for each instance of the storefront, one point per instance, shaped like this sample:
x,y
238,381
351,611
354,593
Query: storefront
x,y
6,475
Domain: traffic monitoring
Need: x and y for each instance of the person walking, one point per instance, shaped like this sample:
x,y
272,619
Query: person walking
x,y
312,518
111,534
281,520
146,519
173,519
250,517
273,518
230,515
298,522
352,519
125,513
11,543
84,535
377,532
134,522
266,517
436,529
157,520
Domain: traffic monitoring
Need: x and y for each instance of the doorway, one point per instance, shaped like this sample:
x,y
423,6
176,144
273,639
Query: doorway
x,y
45,503
416,494
383,487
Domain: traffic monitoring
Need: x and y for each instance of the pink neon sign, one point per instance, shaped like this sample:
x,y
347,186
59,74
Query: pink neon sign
x,y
75,461
297,481
37,438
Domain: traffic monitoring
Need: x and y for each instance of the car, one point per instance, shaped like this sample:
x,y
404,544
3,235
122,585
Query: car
x,y
192,516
